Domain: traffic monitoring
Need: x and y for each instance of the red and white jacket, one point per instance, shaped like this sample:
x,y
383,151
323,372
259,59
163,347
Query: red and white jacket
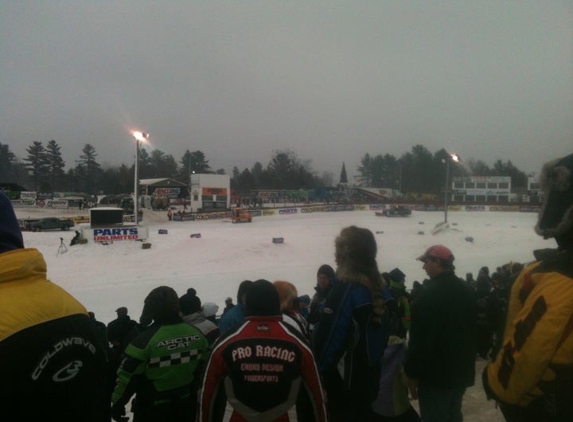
x,y
265,367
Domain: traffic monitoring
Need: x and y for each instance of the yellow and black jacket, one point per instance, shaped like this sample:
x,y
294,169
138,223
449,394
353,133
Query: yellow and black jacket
x,y
51,364
535,362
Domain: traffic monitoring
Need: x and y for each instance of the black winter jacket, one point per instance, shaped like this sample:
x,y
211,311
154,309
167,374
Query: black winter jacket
x,y
442,349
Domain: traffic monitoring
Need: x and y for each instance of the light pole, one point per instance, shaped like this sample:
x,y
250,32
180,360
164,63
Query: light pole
x,y
189,177
139,137
451,158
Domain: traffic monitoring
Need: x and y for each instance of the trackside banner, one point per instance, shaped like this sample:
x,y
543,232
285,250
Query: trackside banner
x,y
117,233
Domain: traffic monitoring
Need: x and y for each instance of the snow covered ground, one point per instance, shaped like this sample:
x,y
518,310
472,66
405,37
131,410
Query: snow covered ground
x,y
104,277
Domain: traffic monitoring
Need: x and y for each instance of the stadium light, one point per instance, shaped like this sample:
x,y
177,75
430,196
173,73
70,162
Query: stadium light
x,y
139,137
451,158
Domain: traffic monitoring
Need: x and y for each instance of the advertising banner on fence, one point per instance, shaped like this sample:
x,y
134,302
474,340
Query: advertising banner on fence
x,y
28,196
475,208
376,207
504,208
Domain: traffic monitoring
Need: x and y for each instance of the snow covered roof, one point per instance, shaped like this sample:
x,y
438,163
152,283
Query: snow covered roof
x,y
165,181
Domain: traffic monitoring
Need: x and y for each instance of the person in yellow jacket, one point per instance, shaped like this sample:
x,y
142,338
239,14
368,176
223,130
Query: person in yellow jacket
x,y
532,375
52,361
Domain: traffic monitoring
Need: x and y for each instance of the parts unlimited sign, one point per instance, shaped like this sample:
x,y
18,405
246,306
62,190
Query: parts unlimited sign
x,y
109,235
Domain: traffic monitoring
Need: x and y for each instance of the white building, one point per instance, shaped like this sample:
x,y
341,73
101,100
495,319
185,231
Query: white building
x,y
210,192
482,189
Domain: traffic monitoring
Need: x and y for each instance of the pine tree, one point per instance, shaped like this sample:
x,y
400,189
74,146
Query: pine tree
x,y
54,164
7,159
36,164
343,177
89,169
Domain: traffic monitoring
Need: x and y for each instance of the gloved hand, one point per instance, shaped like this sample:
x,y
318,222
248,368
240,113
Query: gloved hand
x,y
118,413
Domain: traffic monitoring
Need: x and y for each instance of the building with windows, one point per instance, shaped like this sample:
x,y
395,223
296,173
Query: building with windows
x,y
210,192
534,193
482,189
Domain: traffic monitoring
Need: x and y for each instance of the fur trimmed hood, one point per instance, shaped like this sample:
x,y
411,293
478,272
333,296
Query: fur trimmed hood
x,y
556,215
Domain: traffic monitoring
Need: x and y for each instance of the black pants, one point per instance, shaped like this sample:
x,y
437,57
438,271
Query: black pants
x,y
534,412
409,415
180,410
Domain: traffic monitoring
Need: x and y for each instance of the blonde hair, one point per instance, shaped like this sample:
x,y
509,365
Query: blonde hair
x,y
287,294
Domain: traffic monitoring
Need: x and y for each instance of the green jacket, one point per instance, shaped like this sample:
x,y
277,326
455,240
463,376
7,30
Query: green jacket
x,y
162,364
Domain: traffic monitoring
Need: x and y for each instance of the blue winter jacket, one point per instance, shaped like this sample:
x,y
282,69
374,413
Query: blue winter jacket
x,y
347,331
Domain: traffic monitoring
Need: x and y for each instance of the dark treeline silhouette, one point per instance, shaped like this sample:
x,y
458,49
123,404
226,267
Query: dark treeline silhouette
x,y
418,170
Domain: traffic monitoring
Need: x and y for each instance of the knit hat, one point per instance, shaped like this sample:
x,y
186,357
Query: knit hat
x,y
327,270
121,311
484,270
304,299
10,233
161,304
287,294
437,251
397,275
210,309
262,299
189,303
556,215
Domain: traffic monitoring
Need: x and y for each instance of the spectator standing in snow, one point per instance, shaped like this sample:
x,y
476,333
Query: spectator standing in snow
x,y
304,306
398,290
52,364
161,365
101,330
119,333
415,293
353,329
288,297
325,280
488,315
236,315
121,330
470,280
484,272
393,403
264,366
500,292
440,362
192,313
531,378
228,305
210,310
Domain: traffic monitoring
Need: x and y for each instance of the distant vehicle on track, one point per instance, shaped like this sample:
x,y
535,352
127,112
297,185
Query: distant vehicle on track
x,y
395,211
241,216
51,223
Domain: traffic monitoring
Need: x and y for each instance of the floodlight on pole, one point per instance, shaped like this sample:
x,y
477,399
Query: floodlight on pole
x,y
451,158
139,137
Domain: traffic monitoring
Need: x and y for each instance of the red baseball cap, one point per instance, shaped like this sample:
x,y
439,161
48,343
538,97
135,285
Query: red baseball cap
x,y
437,251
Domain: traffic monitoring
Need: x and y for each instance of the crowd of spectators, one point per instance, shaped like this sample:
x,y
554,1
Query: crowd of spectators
x,y
361,349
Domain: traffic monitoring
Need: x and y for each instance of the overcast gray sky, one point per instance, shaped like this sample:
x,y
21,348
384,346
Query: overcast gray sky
x,y
329,80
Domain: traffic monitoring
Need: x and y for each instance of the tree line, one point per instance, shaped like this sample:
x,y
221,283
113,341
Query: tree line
x,y
44,170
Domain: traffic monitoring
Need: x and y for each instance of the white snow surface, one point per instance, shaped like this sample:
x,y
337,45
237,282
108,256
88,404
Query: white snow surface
x,y
105,277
